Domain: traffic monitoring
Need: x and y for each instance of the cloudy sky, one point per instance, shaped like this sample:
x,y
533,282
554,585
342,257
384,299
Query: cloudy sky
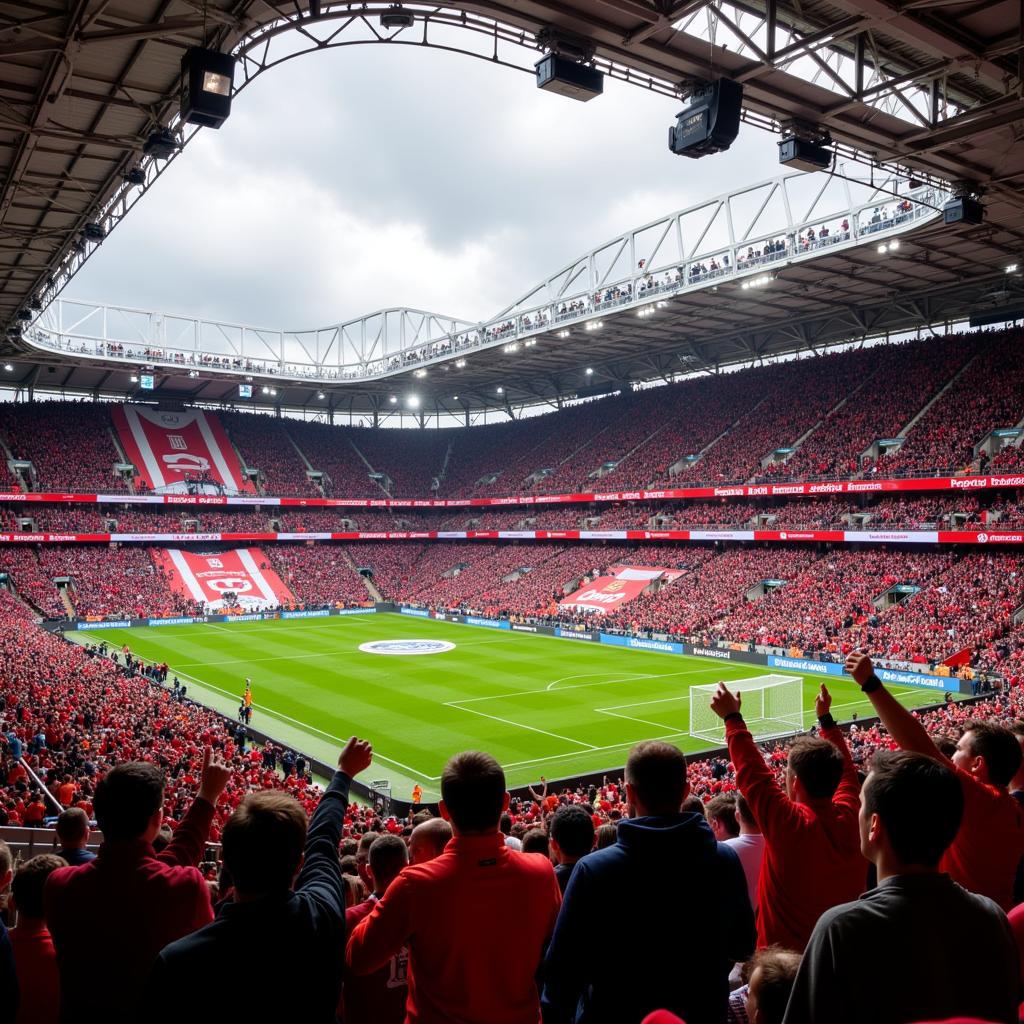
x,y
366,177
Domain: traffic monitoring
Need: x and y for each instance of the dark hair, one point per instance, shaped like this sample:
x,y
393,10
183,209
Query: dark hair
x,y
438,833
746,815
29,880
945,745
126,799
657,772
722,808
999,748
422,815
606,835
920,803
473,790
366,840
777,968
817,764
573,829
693,805
505,824
388,855
72,825
349,865
263,841
536,841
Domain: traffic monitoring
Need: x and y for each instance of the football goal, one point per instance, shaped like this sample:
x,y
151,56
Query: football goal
x,y
773,705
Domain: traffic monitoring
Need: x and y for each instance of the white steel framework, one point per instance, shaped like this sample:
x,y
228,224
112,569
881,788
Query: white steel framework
x,y
748,235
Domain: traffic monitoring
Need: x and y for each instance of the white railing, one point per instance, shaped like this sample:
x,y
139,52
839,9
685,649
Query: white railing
x,y
394,341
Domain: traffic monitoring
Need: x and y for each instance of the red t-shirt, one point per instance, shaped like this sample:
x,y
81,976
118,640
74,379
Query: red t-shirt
x,y
377,998
38,981
990,844
476,921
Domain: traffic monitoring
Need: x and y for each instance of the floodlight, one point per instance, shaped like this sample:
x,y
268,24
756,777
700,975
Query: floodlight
x,y
894,245
460,363
393,400
500,390
1012,268
320,395
421,373
207,77
563,334
883,249
413,401
8,367
134,378
589,371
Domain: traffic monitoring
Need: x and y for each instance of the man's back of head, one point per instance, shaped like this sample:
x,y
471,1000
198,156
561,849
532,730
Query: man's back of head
x,y
473,793
572,834
388,856
745,818
912,807
817,766
656,778
429,839
721,815
770,976
28,884
263,842
128,801
73,828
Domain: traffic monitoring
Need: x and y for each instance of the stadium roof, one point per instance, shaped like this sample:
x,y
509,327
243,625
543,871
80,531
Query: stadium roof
x,y
931,87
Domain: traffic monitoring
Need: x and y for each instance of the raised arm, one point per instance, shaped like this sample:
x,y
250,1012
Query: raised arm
x,y
904,728
771,807
320,877
189,842
539,797
848,790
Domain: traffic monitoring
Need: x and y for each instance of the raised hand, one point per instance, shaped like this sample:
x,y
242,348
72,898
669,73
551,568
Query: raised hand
x,y
355,757
215,776
725,703
859,666
822,702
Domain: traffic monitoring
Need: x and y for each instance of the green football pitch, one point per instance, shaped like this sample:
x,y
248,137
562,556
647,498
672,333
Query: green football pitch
x,y
542,706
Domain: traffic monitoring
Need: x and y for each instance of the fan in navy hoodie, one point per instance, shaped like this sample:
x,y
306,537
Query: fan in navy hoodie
x,y
686,921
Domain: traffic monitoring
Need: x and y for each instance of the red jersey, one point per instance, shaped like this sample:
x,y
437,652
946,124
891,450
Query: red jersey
x,y
377,998
990,844
35,962
476,921
812,859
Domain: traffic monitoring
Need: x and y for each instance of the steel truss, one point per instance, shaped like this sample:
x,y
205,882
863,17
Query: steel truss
x,y
690,250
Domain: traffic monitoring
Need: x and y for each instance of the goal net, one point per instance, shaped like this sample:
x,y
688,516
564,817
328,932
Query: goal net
x,y
773,705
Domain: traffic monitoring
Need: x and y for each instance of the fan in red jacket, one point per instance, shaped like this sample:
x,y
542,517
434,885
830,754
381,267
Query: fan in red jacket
x,y
812,859
111,917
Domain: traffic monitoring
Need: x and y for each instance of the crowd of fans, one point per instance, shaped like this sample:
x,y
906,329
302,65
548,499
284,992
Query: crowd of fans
x,y
804,864
803,419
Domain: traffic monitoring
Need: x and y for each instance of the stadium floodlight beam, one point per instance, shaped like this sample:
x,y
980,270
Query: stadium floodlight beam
x,y
460,364
1012,268
8,367
420,373
393,399
589,371
207,78
320,395
413,401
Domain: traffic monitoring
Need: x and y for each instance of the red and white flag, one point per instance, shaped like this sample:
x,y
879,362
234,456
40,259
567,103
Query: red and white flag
x,y
243,572
169,448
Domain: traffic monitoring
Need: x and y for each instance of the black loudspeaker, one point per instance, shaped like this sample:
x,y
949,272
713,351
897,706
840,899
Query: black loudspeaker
x,y
567,78
710,123
963,210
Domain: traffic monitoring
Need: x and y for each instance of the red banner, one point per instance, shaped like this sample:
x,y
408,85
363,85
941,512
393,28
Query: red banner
x,y
171,447
960,658
208,579
806,490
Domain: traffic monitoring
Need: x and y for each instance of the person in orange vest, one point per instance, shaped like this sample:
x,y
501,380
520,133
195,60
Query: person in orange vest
x,y
417,794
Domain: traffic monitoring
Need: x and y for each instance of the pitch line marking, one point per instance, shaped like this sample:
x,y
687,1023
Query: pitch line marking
x,y
520,725
307,728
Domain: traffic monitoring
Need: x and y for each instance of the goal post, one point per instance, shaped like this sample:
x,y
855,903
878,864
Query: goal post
x,y
773,705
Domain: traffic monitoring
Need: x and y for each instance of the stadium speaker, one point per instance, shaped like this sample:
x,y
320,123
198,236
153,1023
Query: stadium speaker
x,y
963,210
710,123
804,155
568,78
207,77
